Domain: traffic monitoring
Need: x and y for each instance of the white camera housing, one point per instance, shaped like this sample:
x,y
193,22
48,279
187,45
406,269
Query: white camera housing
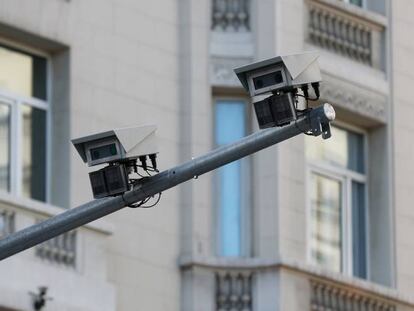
x,y
280,73
117,145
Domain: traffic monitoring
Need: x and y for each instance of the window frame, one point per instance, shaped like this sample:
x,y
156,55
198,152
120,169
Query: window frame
x,y
16,102
246,222
346,177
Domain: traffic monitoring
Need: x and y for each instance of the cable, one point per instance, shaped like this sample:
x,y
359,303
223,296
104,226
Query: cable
x,y
141,203
156,202
308,98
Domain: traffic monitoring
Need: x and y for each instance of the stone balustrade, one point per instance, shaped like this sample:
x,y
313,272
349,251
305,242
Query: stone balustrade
x,y
326,296
17,213
231,15
6,222
234,290
344,30
238,284
60,250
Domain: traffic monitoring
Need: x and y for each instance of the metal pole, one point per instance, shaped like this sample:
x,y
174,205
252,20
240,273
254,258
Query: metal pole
x,y
83,214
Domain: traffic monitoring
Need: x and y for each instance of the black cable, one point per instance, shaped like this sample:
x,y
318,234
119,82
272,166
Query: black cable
x,y
308,98
141,203
149,168
156,202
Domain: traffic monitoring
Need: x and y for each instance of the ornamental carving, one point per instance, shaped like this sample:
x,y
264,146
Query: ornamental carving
x,y
355,99
222,71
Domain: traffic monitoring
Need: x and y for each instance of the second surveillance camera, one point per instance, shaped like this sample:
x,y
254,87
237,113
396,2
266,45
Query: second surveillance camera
x,y
121,149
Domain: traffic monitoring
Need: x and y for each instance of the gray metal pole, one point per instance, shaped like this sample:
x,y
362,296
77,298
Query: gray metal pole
x,y
83,214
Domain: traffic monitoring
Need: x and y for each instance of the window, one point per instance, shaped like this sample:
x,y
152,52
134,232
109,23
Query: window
x,y
231,182
338,209
24,113
359,3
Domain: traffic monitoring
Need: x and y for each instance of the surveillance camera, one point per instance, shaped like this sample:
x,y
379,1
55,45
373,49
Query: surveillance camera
x,y
274,83
121,149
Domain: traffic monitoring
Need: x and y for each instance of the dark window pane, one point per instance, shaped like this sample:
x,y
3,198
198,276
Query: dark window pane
x,y
356,152
4,147
359,243
39,77
34,153
356,2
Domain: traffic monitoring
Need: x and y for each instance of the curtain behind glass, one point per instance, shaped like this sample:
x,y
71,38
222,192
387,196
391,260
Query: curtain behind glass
x,y
229,126
4,147
326,210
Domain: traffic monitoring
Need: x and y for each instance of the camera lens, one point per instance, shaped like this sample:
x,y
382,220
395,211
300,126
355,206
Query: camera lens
x,y
95,154
259,83
112,149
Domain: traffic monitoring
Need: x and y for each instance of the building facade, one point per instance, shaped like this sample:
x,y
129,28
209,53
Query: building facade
x,y
304,225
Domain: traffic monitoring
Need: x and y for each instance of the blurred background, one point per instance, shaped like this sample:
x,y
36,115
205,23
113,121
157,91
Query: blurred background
x,y
304,225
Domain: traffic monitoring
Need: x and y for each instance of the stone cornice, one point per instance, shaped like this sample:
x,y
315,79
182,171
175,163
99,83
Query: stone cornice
x,y
353,98
221,71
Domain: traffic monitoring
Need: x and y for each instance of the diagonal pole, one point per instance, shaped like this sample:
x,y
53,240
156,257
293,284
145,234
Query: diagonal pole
x,y
316,121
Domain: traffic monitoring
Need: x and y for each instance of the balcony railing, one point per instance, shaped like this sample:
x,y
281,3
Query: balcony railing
x,y
231,15
237,285
60,250
234,290
6,222
345,30
326,296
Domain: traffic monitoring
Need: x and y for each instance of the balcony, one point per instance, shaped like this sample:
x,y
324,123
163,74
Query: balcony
x,y
6,222
347,30
77,259
60,250
256,284
231,43
231,16
233,289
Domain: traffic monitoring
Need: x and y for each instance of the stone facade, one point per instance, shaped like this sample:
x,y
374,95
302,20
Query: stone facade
x,y
122,63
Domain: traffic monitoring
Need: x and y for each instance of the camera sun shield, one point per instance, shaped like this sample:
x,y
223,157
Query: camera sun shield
x,y
278,73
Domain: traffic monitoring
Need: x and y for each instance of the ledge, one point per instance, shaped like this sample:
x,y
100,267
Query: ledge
x,y
48,210
310,271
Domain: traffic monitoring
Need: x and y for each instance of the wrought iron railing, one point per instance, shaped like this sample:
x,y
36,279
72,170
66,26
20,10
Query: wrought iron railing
x,y
345,33
231,15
